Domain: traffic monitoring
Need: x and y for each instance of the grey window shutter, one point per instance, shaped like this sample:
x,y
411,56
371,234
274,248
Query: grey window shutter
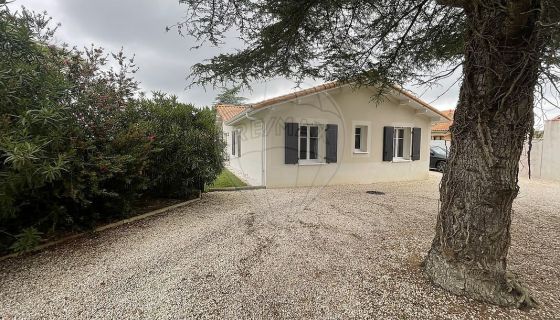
x,y
332,143
239,143
291,143
233,142
388,133
416,143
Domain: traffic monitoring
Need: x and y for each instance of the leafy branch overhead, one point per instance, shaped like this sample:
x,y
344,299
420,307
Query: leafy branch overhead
x,y
365,41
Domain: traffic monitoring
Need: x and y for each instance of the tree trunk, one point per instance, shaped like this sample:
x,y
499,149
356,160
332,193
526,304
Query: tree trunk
x,y
492,120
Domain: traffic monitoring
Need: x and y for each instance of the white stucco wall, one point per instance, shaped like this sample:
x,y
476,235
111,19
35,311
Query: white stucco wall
x,y
249,165
344,107
550,165
536,160
545,155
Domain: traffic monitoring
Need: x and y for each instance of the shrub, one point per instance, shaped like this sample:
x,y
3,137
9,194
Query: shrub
x,y
76,147
189,151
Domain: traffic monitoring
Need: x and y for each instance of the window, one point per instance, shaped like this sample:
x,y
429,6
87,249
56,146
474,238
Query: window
x,y
398,143
308,142
360,139
402,146
236,143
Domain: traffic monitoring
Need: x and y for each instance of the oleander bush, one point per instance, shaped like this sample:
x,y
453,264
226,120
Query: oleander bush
x,y
77,147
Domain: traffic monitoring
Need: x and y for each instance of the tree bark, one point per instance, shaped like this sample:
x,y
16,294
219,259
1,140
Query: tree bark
x,y
492,120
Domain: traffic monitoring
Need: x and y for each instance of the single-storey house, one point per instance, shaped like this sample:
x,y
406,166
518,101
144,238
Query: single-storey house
x,y
329,134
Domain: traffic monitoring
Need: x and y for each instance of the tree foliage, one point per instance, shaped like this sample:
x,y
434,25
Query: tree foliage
x,y
230,96
367,42
76,146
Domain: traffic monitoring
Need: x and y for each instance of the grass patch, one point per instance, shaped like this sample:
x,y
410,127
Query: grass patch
x,y
226,179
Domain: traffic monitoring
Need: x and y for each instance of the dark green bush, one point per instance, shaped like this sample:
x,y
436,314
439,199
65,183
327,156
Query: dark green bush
x,y
189,150
76,147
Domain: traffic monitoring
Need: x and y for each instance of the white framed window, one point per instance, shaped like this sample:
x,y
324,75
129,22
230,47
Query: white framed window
x,y
308,144
361,139
402,146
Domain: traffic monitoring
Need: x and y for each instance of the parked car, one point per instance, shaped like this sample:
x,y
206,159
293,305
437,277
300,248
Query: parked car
x,y
438,158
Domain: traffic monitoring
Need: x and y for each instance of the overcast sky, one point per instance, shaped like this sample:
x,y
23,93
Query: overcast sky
x,y
164,57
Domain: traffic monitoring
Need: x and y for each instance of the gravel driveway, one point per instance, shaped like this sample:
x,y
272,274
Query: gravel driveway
x,y
336,252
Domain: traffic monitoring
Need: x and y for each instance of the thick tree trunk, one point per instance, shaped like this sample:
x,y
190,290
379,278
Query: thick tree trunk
x,y
492,120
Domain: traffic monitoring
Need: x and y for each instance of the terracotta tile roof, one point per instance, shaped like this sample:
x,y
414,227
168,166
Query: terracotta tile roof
x,y
294,95
228,111
332,85
444,126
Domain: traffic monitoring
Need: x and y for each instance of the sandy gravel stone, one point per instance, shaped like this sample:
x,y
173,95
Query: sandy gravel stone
x,y
330,253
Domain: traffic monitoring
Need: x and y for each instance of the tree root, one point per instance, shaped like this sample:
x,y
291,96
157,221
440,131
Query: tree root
x,y
516,288
499,288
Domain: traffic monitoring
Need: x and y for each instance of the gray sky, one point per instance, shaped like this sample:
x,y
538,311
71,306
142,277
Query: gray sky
x,y
164,57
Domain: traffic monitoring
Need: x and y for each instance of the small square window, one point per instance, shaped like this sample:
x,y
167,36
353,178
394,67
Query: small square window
x,y
360,139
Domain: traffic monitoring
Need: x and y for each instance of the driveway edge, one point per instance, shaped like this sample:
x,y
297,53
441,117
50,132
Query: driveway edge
x,y
236,188
101,228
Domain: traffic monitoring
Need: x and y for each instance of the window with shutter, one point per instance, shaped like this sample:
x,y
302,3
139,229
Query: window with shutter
x,y
310,143
401,144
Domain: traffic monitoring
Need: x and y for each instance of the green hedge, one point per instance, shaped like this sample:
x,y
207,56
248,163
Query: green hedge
x,y
76,147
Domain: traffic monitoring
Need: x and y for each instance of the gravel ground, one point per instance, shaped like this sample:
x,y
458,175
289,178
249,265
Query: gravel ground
x,y
335,252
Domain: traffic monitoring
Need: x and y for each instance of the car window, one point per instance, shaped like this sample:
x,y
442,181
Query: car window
x,y
438,151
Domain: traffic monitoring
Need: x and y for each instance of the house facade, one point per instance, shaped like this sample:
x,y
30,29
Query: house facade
x,y
329,134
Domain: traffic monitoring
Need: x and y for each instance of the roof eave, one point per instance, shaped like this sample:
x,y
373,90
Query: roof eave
x,y
239,116
397,92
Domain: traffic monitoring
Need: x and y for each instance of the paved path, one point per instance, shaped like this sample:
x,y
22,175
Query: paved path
x,y
336,252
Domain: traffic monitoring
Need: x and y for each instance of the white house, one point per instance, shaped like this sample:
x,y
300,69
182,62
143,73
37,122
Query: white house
x,y
329,134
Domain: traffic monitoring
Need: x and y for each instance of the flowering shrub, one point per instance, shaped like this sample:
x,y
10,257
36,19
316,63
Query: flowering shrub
x,y
76,146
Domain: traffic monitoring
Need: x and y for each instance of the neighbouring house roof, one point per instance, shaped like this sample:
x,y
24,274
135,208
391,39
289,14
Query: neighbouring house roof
x,y
444,125
228,111
321,88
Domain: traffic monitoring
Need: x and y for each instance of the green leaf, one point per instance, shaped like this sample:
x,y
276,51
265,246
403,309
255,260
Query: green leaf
x,y
27,240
